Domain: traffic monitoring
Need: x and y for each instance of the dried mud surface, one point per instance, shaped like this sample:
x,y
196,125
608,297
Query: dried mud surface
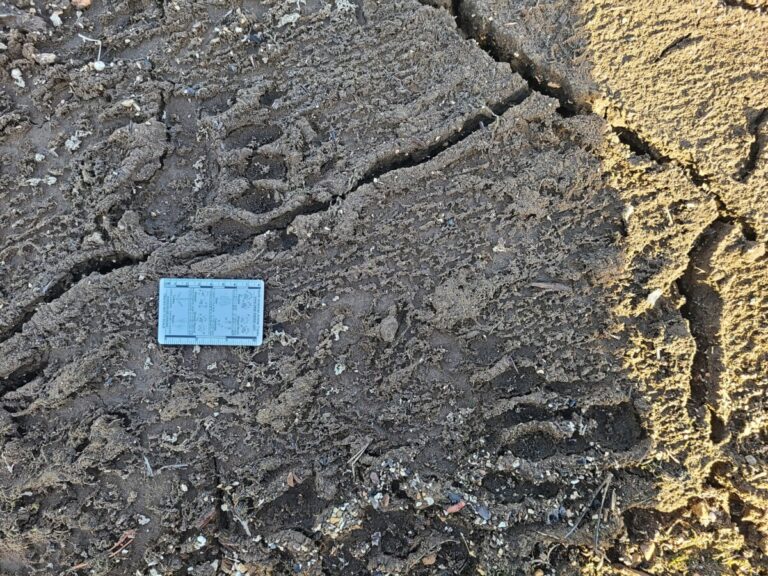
x,y
515,266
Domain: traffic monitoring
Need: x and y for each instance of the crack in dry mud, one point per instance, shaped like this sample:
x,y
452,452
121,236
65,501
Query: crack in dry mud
x,y
702,310
678,44
538,82
484,118
57,288
521,64
743,4
750,163
23,375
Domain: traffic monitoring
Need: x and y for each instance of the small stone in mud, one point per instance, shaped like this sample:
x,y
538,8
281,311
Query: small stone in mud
x,y
45,58
388,328
654,296
81,4
18,78
483,512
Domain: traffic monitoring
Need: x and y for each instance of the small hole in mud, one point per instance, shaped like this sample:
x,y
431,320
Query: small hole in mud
x,y
618,427
509,490
719,431
282,241
534,446
252,136
256,201
269,97
230,230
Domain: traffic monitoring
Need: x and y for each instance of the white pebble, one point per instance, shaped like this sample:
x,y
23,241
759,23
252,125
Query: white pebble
x,y
17,78
45,58
98,65
654,296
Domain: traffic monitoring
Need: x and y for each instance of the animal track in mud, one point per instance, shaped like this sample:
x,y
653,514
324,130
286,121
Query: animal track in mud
x,y
616,428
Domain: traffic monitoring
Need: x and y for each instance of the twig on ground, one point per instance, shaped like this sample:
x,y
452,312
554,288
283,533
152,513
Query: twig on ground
x,y
171,467
588,504
123,542
97,42
148,467
352,461
125,539
622,569
600,512
9,467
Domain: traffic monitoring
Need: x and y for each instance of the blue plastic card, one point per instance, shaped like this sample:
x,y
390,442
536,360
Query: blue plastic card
x,y
211,312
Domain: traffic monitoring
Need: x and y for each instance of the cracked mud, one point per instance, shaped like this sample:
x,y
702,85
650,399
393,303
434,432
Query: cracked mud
x,y
515,265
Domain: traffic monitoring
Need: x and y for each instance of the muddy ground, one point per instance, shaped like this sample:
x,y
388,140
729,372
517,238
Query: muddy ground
x,y
516,287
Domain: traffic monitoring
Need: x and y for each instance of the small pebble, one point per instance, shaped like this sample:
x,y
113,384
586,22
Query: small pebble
x,y
453,497
483,512
388,328
654,296
648,549
45,58
17,78
98,65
